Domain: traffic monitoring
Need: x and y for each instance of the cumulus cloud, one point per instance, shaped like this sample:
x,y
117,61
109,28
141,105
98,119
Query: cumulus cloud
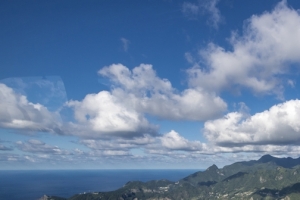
x,y
139,79
174,141
103,114
260,55
18,113
277,126
143,90
119,112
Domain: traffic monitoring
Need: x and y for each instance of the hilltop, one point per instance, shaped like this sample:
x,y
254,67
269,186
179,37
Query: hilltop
x,y
267,178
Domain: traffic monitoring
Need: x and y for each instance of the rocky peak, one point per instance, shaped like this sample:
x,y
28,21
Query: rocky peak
x,y
212,168
266,158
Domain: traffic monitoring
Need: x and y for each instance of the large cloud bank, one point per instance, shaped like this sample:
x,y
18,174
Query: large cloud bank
x,y
17,112
279,126
265,50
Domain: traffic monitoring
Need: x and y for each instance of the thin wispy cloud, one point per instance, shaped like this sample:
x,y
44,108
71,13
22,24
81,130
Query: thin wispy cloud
x,y
125,44
205,7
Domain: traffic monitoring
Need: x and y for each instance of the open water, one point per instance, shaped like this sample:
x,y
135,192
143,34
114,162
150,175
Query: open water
x,y
33,184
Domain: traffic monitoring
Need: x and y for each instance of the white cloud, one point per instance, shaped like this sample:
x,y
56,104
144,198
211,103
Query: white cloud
x,y
139,79
191,104
125,43
174,141
103,114
18,113
259,56
119,113
144,91
277,126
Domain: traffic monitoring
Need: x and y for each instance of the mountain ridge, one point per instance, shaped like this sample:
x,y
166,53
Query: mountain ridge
x,y
266,178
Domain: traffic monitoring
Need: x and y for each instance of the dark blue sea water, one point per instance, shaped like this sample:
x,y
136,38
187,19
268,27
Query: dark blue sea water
x,y
32,184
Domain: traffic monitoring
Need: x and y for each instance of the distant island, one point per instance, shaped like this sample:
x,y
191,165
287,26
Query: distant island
x,y
266,178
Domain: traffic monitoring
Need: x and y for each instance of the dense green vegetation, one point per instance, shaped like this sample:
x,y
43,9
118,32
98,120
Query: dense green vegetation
x,y
266,178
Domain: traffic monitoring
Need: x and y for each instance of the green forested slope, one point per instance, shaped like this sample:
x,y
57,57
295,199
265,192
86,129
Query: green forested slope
x,y
266,178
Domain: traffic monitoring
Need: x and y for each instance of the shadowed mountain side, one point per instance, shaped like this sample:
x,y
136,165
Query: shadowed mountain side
x,y
283,162
237,175
273,193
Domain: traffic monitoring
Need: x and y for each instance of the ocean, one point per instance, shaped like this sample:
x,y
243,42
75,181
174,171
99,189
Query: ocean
x,y
33,184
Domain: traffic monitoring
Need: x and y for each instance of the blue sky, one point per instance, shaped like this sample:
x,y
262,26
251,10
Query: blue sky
x,y
145,84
